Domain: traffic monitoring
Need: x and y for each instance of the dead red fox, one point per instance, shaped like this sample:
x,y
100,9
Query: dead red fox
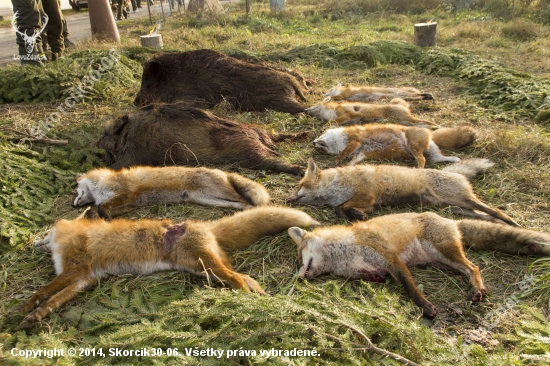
x,y
118,191
374,93
394,142
356,190
398,111
390,244
86,250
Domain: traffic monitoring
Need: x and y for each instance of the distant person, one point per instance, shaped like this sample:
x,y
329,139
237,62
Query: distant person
x,y
121,11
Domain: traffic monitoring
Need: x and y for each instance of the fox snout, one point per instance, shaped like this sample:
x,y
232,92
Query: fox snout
x,y
305,271
292,198
295,197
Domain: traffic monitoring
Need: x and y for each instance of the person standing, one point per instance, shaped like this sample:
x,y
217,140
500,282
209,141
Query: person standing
x,y
121,11
29,20
54,29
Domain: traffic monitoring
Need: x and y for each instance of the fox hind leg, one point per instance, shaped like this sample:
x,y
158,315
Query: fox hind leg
x,y
401,273
223,271
452,255
475,204
434,155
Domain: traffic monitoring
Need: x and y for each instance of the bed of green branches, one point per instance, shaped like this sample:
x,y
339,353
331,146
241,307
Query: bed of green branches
x,y
335,317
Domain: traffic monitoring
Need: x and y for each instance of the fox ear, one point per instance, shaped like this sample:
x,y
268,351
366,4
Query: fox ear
x,y
312,168
297,234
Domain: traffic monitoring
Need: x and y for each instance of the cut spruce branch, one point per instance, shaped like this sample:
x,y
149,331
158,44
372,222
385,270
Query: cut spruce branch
x,y
371,347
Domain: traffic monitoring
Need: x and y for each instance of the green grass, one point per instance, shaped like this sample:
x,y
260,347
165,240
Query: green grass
x,y
477,78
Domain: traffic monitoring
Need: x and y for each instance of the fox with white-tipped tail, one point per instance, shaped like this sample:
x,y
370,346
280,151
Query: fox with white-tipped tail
x,y
356,190
374,93
389,245
118,191
393,142
397,110
85,250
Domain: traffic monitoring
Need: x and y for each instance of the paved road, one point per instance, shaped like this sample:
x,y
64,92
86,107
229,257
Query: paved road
x,y
79,29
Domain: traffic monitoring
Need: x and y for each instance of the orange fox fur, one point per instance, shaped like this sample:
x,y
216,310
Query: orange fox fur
x,y
398,110
118,191
374,93
393,142
356,190
392,243
85,250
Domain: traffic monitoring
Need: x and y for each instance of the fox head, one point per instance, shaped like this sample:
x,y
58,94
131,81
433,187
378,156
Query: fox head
x,y
311,258
332,142
83,192
309,188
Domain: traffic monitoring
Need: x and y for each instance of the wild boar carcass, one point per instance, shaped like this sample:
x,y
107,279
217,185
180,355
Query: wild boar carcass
x,y
178,134
206,77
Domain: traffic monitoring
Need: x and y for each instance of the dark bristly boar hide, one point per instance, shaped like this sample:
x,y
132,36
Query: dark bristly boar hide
x,y
178,134
206,77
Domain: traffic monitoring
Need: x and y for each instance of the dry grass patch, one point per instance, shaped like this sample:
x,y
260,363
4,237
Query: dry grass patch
x,y
522,30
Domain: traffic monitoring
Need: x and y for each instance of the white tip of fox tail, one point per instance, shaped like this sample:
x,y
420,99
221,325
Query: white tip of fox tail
x,y
482,165
470,168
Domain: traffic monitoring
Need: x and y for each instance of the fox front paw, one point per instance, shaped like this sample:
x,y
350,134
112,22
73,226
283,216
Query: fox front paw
x,y
476,295
103,213
253,285
355,214
29,322
429,311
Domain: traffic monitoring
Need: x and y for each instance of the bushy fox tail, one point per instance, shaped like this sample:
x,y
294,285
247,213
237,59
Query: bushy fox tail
x,y
487,235
470,168
253,192
246,227
453,138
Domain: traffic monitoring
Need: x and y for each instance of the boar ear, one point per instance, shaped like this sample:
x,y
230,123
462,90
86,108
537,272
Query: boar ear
x,y
312,168
117,125
297,234
154,68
